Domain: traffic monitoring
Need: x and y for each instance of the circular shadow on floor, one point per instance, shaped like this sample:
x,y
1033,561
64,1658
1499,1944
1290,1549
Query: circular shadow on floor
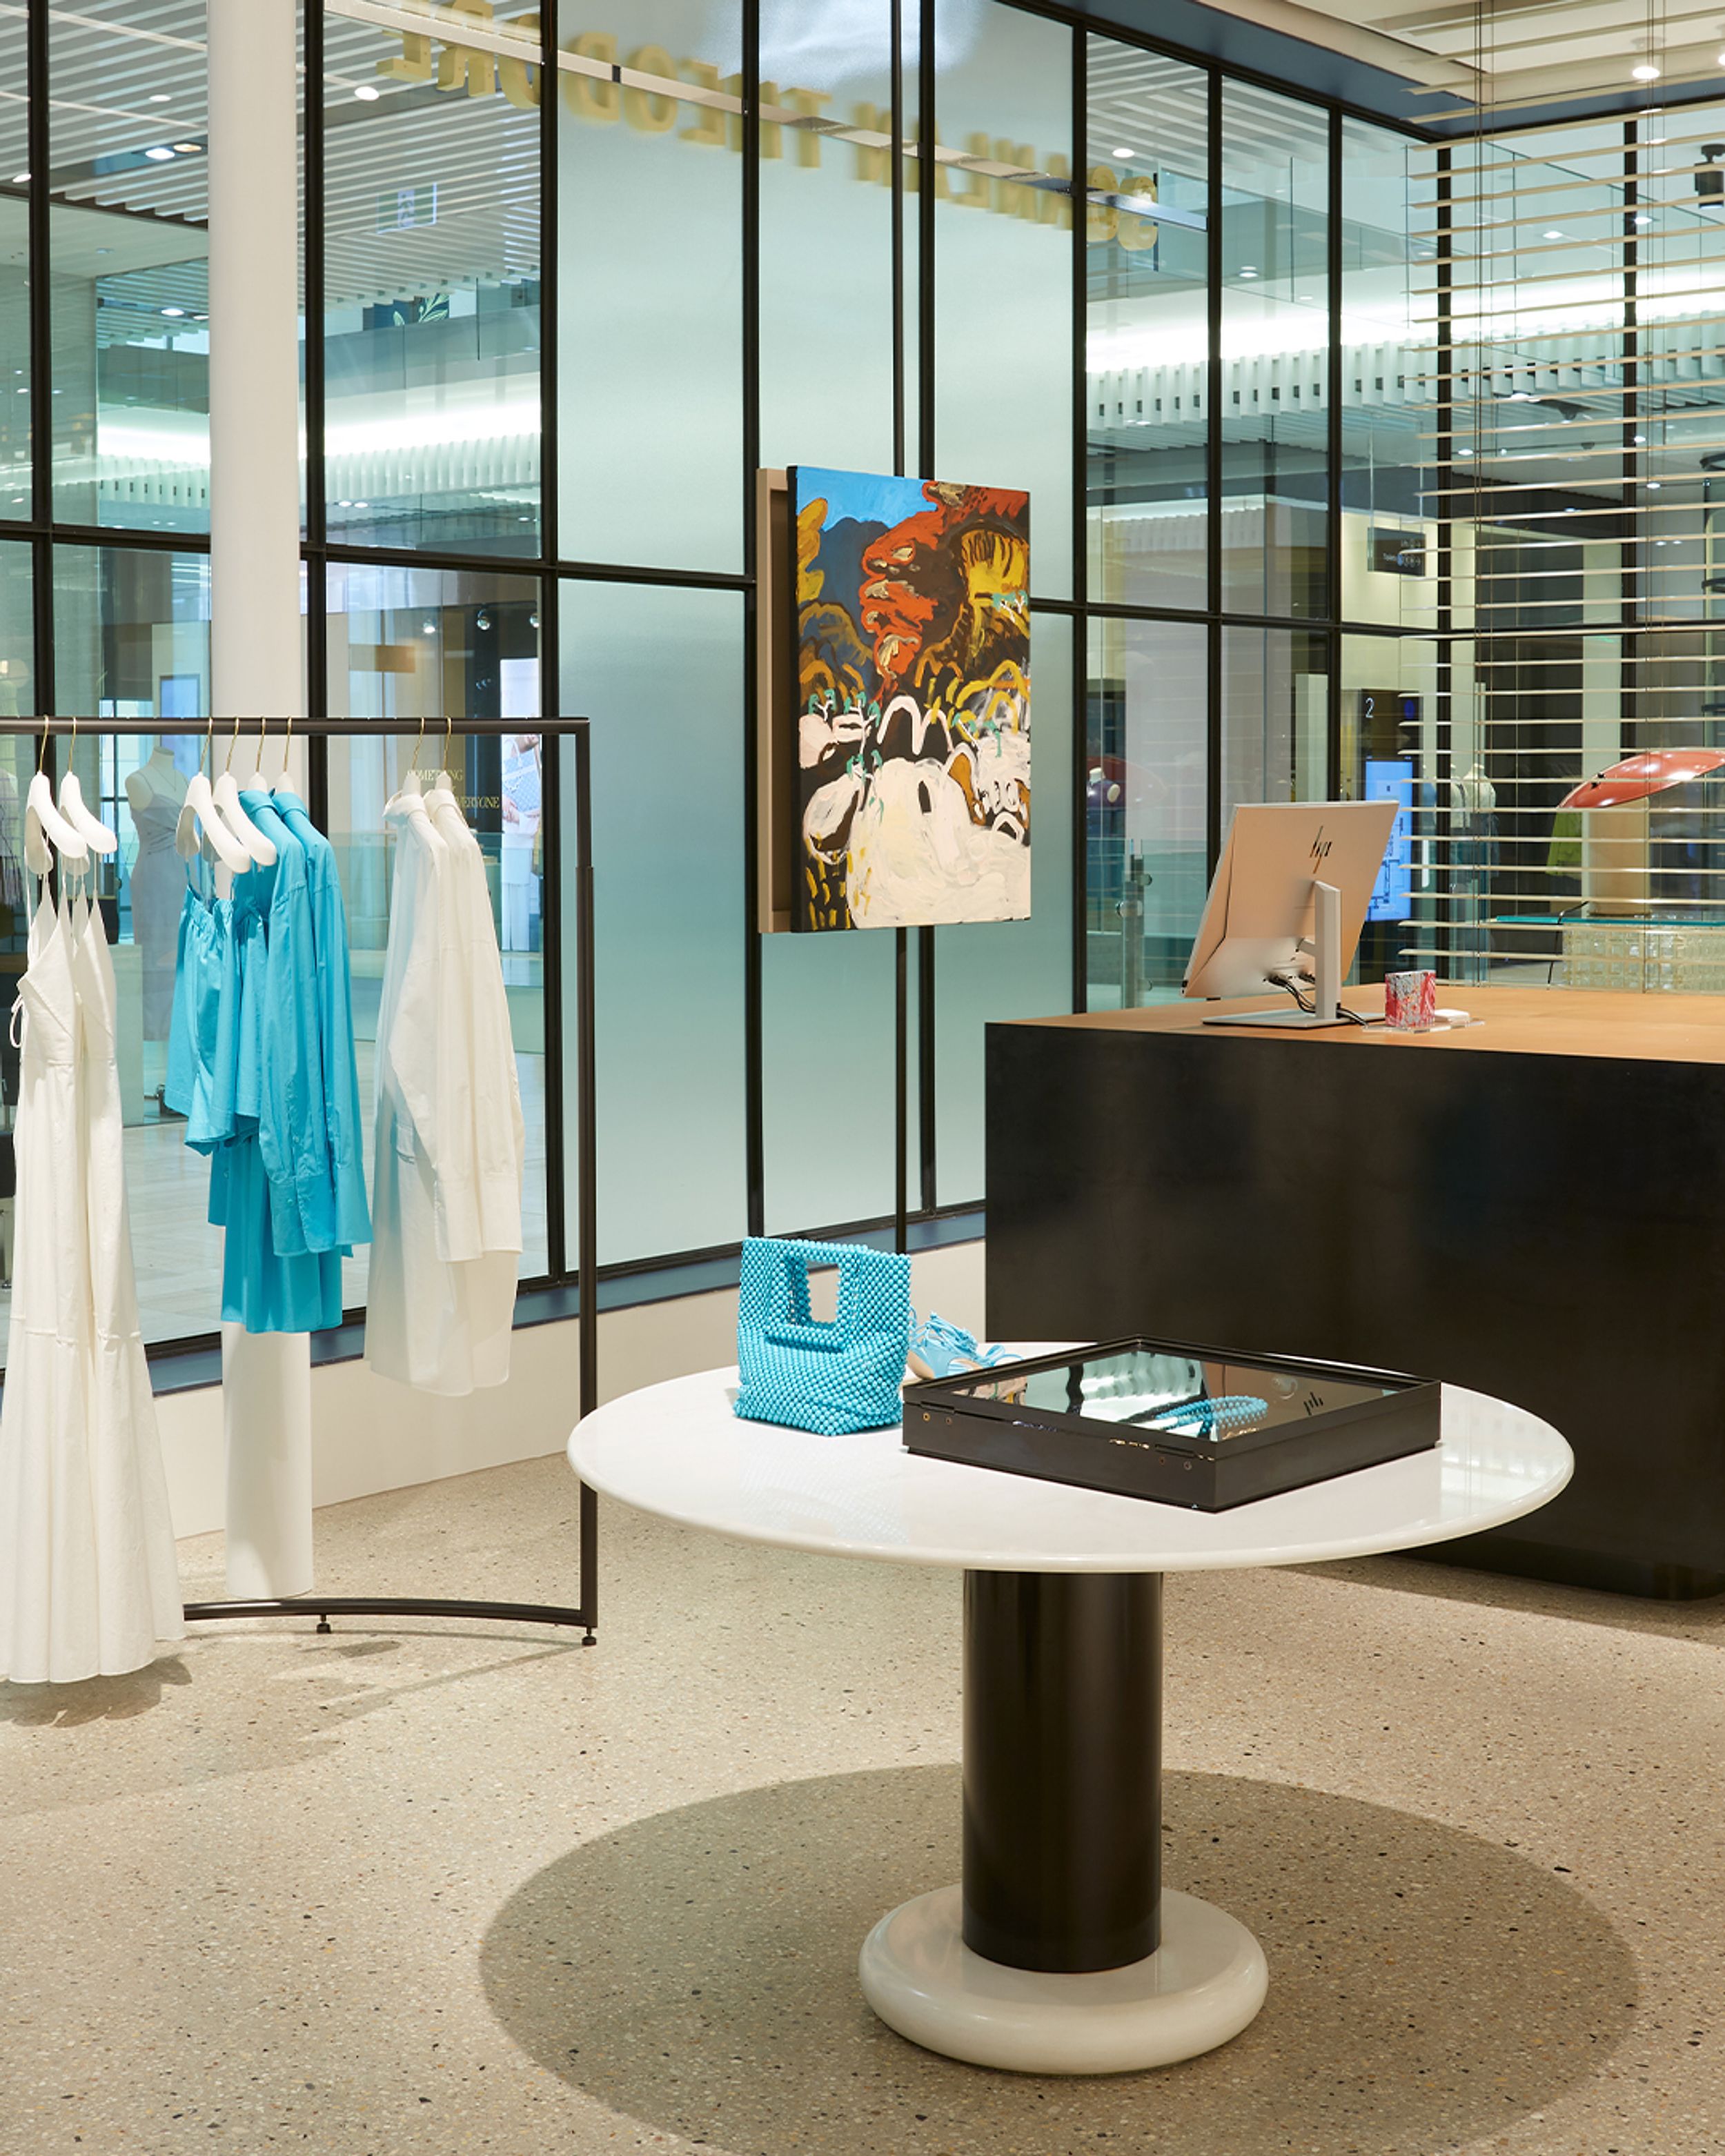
x,y
697,1971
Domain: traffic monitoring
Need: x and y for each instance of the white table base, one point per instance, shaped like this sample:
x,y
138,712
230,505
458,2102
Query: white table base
x,y
1201,1986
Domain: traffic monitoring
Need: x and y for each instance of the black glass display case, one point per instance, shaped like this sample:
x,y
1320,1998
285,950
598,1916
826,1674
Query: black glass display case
x,y
1202,1427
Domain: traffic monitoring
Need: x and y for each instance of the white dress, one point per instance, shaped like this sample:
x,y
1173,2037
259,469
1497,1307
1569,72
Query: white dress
x,y
446,1231
88,1578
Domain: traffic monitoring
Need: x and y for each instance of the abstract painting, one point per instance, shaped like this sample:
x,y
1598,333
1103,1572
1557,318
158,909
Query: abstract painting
x,y
911,686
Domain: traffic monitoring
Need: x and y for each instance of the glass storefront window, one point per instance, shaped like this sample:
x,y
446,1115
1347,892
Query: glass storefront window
x,y
1389,751
1146,786
440,645
1275,337
128,423
1275,717
1147,331
431,281
1389,381
14,280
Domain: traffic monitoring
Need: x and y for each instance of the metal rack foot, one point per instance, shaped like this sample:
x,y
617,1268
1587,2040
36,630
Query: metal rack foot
x,y
323,1607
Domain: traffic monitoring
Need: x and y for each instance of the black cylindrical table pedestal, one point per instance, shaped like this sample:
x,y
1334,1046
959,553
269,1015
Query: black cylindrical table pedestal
x,y
1062,1767
1061,1954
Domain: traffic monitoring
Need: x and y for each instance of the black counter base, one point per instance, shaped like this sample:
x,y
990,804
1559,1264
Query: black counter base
x,y
1549,1228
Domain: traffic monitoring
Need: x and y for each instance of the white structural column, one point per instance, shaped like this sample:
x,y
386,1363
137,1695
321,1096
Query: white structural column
x,y
255,646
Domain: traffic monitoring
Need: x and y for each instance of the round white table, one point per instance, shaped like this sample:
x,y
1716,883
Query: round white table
x,y
1060,1952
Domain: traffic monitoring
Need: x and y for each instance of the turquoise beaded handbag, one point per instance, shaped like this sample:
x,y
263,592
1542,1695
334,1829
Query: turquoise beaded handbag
x,y
807,1374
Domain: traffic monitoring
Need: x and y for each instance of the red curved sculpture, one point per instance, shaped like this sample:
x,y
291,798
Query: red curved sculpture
x,y
1638,776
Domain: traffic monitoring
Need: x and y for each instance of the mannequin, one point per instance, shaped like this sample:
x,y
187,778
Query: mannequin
x,y
157,790
1473,796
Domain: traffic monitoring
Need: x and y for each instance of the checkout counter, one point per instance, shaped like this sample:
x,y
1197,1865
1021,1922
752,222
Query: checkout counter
x,y
1532,1206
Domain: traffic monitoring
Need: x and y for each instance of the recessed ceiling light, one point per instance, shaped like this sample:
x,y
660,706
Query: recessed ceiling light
x,y
1248,271
1645,71
20,179
1463,452
160,155
188,149
1641,442
1642,218
174,312
1118,153
1554,235
369,94
1653,486
157,97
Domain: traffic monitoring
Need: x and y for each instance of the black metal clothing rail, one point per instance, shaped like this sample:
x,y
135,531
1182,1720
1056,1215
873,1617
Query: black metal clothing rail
x,y
584,1616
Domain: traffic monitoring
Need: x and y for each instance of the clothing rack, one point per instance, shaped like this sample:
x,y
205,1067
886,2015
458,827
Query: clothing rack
x,y
433,733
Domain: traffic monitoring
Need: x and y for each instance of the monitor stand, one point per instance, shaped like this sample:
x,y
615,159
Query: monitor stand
x,y
1327,995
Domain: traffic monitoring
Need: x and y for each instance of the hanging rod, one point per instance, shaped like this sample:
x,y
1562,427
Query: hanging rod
x,y
433,729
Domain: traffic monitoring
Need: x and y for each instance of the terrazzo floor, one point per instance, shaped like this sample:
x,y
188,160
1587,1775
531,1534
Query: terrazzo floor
x,y
449,1888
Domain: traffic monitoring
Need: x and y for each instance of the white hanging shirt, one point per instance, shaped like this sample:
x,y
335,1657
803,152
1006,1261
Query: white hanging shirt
x,y
450,1138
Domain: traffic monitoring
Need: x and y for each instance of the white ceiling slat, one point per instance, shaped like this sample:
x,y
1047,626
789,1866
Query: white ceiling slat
x,y
1511,56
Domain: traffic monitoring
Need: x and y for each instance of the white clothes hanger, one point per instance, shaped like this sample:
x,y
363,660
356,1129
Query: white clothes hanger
x,y
44,823
90,828
225,793
200,808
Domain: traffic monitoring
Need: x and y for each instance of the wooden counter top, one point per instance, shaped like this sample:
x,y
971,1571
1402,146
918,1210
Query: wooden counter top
x,y
1604,1022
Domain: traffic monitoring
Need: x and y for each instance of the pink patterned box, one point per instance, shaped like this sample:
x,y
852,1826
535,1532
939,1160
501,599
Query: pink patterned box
x,y
1410,1002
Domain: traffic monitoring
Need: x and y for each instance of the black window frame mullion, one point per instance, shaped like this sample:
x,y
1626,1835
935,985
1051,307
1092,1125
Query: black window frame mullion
x,y
1336,781
1080,667
40,335
1213,263
927,1010
315,227
754,998
551,941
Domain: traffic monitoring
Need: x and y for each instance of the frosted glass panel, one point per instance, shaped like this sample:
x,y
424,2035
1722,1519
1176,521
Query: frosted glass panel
x,y
1009,969
660,672
650,254
1004,270
826,239
827,1055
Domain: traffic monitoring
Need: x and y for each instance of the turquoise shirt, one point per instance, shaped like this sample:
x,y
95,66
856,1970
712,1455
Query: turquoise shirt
x,y
293,1129
335,997
274,1171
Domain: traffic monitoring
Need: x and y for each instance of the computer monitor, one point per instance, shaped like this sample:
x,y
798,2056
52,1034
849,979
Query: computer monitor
x,y
1287,905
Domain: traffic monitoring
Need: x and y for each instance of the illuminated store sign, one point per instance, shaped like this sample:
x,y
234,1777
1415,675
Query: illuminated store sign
x,y
650,91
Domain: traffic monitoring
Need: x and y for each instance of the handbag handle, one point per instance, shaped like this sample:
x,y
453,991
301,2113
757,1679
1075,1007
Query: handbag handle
x,y
795,1327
